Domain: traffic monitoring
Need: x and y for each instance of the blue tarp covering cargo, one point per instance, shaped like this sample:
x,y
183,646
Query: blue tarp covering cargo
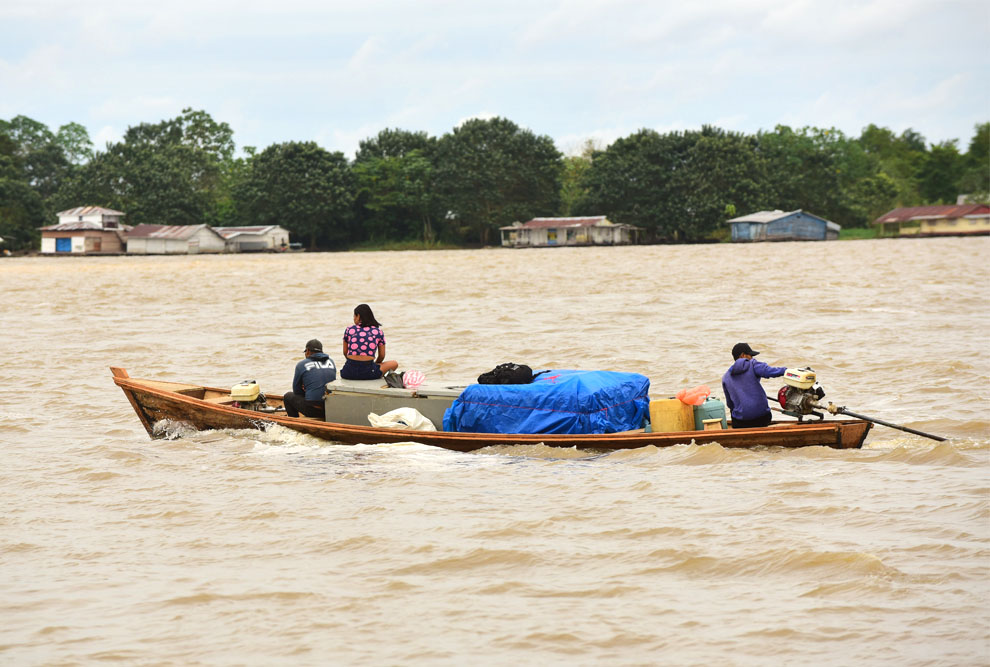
x,y
558,401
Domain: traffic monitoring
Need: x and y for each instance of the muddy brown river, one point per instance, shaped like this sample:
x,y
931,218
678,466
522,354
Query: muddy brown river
x,y
273,548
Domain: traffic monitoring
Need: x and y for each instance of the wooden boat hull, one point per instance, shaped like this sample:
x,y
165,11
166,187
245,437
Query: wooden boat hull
x,y
196,406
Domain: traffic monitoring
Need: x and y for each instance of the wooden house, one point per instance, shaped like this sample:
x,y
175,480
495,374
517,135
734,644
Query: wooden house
x,y
553,232
782,226
85,230
255,239
174,240
948,220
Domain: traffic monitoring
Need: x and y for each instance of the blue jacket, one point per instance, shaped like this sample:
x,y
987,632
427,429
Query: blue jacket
x,y
743,392
312,375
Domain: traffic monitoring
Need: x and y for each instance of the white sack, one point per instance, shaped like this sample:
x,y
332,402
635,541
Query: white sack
x,y
407,418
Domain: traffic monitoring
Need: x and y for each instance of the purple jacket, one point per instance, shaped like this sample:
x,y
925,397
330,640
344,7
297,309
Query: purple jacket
x,y
743,392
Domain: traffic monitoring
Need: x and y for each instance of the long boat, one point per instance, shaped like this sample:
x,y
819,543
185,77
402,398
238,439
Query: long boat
x,y
211,408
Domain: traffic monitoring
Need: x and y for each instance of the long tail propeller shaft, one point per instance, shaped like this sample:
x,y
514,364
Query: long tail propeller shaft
x,y
838,410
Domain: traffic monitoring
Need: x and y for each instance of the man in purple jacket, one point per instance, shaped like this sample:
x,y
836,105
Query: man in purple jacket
x,y
743,392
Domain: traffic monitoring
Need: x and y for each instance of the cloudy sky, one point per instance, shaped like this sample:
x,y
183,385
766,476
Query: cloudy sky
x,y
338,72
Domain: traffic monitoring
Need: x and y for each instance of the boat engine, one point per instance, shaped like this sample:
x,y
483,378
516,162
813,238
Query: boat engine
x,y
247,395
800,394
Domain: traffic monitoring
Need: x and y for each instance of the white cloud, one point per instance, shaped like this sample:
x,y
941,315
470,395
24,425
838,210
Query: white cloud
x,y
340,72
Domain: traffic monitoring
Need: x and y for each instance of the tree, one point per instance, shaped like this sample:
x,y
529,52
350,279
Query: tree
x,y
575,169
940,173
631,181
22,210
391,143
302,187
898,157
677,186
975,179
395,193
75,143
721,170
169,172
33,168
493,173
401,189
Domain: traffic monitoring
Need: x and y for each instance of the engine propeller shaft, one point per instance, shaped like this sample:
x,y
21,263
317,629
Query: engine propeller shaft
x,y
838,410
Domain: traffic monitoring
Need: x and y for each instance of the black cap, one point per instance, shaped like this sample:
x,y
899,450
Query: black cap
x,y
743,348
314,346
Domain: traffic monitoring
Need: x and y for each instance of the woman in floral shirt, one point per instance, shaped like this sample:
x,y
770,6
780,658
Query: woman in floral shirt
x,y
364,348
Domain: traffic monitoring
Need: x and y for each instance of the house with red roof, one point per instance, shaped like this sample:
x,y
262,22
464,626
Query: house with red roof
x,y
553,232
947,220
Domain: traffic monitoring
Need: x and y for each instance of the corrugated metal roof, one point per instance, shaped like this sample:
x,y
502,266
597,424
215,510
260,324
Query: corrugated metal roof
x,y
89,210
764,216
588,221
180,232
77,226
933,212
228,232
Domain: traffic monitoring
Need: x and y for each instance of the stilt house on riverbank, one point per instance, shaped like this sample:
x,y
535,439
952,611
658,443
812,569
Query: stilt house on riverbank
x,y
86,230
948,220
174,240
553,232
782,226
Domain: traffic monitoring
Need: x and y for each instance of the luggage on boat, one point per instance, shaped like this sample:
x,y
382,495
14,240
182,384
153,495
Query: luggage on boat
x,y
671,415
508,373
557,401
706,414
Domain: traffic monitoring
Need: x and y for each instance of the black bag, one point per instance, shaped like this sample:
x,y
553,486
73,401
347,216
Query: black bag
x,y
508,374
396,380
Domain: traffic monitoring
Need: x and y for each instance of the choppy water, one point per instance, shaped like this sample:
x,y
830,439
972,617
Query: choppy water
x,y
274,548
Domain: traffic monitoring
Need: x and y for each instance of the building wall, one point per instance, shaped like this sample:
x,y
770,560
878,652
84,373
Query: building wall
x,y
203,241
748,231
566,236
796,227
272,240
83,242
98,218
206,241
152,246
939,227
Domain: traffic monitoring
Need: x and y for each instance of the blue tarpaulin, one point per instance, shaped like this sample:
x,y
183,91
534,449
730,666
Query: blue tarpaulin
x,y
558,401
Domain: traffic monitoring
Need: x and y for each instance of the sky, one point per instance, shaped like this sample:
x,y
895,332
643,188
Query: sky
x,y
575,70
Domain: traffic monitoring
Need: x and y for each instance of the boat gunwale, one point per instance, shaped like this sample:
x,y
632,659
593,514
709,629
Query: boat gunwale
x,y
468,441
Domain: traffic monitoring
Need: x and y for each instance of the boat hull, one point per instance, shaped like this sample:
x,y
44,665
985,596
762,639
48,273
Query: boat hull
x,y
155,401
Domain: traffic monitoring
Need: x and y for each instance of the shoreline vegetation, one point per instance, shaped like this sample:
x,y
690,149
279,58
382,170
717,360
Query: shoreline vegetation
x,y
455,191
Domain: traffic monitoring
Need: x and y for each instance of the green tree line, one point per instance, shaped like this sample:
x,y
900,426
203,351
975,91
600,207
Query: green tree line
x,y
409,187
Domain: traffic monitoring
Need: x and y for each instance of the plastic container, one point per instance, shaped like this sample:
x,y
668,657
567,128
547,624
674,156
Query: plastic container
x,y
713,408
670,415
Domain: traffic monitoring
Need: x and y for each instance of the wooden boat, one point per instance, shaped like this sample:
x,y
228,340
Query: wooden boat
x,y
207,408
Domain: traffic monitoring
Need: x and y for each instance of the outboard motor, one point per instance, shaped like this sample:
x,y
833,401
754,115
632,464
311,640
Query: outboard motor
x,y
800,394
247,396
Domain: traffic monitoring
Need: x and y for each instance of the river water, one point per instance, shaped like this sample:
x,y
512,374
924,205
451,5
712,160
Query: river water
x,y
261,548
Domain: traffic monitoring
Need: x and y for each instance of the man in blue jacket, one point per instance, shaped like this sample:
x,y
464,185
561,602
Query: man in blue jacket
x,y
743,392
309,382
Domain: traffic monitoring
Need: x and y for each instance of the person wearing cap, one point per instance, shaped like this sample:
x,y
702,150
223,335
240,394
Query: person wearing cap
x,y
309,382
744,394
